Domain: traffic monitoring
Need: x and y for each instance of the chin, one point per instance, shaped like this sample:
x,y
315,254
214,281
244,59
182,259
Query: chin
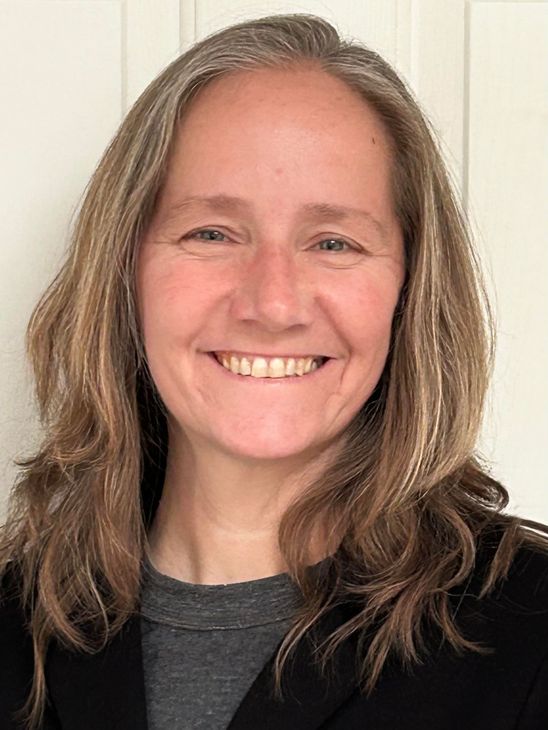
x,y
267,449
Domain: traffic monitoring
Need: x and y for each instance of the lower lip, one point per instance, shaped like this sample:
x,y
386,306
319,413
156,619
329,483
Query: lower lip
x,y
288,380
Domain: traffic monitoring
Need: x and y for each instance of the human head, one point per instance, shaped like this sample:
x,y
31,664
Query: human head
x,y
277,154
422,421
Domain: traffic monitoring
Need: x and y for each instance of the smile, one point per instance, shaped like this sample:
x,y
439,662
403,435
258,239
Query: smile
x,y
275,369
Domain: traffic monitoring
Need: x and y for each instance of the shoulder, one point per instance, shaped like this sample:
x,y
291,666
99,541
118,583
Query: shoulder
x,y
509,676
527,580
16,651
15,638
517,608
519,596
503,682
510,622
10,594
525,586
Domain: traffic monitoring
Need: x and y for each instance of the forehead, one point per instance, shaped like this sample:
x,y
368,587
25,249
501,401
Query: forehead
x,y
290,83
307,96
299,88
281,139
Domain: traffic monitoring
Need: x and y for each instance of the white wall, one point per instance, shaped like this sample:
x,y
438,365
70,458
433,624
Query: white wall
x,y
71,68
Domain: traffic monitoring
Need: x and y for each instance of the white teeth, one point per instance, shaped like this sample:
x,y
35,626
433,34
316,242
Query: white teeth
x,y
299,366
234,365
245,366
259,367
290,367
276,368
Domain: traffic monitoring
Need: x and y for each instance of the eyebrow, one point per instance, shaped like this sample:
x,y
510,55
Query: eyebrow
x,y
323,211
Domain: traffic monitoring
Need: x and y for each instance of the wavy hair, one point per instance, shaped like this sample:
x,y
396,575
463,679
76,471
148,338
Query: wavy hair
x,y
406,482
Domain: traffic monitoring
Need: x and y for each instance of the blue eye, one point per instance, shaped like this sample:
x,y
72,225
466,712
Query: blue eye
x,y
335,240
212,234
215,234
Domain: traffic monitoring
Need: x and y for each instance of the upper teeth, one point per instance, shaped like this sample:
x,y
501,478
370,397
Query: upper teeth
x,y
259,367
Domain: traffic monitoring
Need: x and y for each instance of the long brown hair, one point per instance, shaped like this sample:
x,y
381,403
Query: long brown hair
x,y
406,482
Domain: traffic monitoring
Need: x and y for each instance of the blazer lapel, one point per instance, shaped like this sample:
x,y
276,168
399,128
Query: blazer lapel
x,y
308,697
107,689
103,690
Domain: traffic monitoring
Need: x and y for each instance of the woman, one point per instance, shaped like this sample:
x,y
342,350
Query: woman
x,y
261,374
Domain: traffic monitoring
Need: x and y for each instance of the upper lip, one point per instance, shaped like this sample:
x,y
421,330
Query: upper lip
x,y
240,353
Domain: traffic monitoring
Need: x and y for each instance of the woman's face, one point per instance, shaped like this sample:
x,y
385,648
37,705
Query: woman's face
x,y
275,234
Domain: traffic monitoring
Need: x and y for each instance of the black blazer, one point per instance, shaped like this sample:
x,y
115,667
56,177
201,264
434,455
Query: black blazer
x,y
504,690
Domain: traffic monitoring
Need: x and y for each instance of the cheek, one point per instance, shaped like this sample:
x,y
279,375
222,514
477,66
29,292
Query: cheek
x,y
169,321
171,301
365,310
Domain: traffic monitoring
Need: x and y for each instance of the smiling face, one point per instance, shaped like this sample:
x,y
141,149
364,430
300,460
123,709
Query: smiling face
x,y
274,234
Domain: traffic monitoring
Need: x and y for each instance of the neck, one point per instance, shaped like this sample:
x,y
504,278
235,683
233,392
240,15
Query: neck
x,y
218,518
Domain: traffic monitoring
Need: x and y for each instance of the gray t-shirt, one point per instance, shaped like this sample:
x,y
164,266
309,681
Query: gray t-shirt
x,y
204,645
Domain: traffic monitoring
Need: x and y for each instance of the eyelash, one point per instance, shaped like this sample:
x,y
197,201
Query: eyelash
x,y
194,234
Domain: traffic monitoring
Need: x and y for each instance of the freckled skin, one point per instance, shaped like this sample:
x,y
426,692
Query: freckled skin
x,y
279,140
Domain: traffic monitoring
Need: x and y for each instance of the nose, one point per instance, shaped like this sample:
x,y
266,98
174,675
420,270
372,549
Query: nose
x,y
273,289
